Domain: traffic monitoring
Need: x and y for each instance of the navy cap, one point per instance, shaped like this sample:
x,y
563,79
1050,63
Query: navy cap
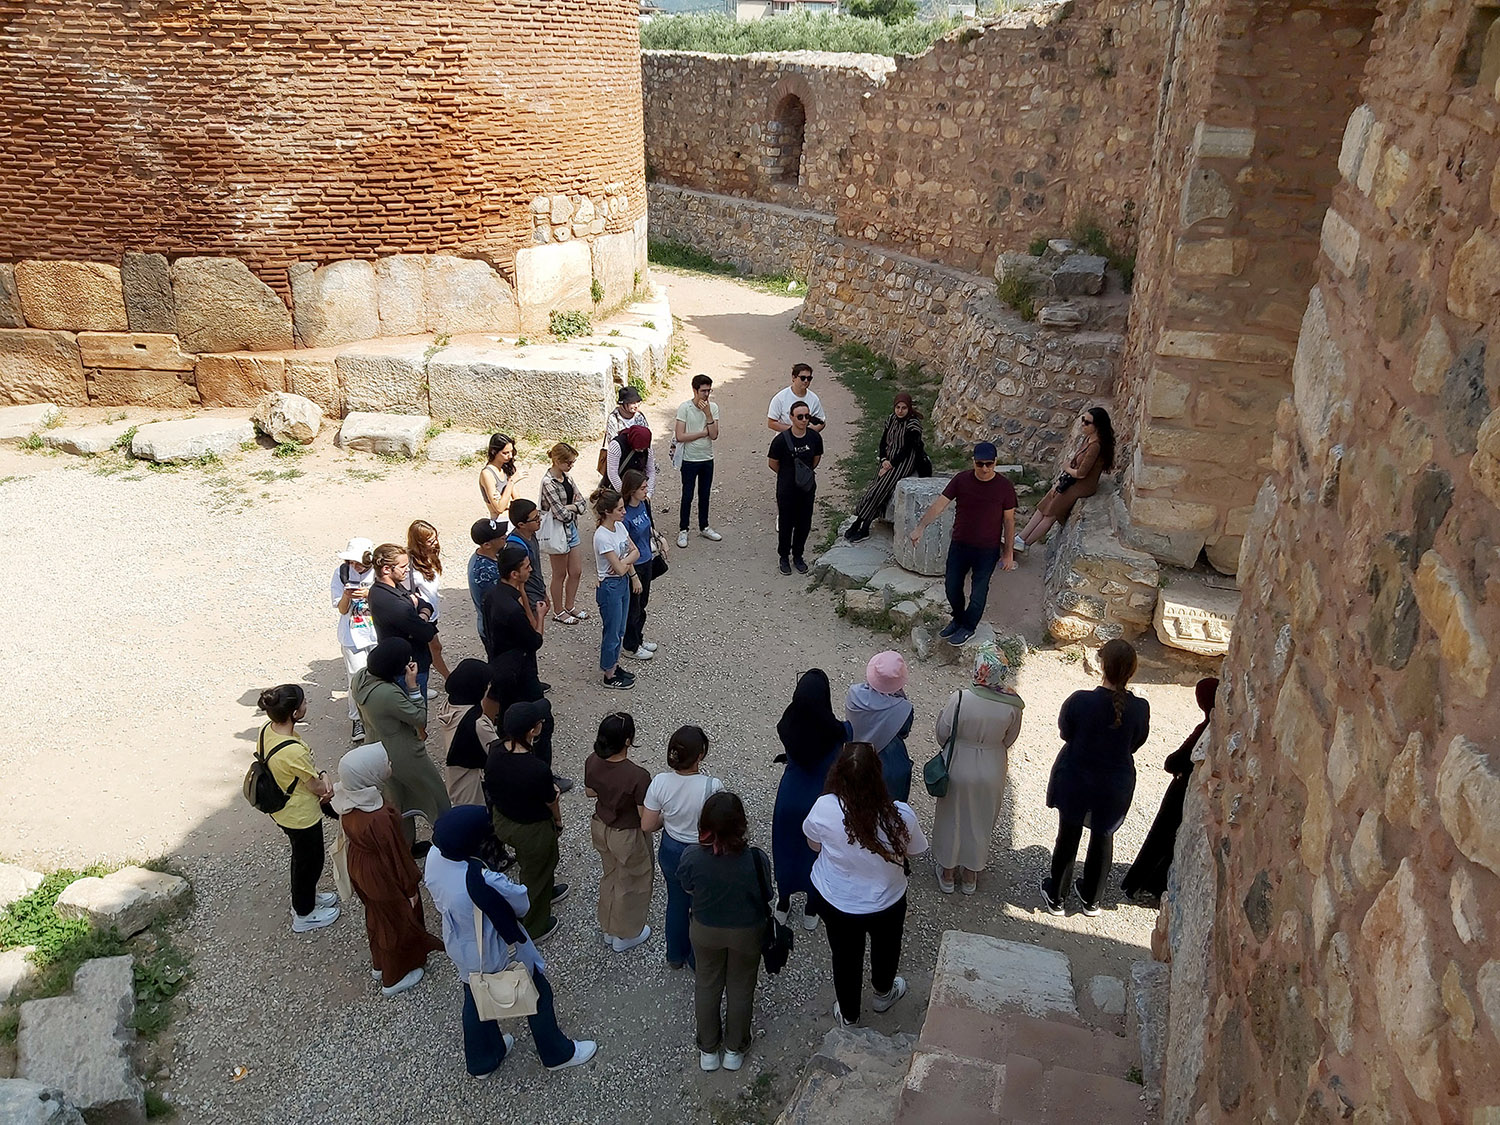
x,y
985,451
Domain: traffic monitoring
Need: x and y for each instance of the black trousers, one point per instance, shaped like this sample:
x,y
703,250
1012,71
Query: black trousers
x,y
307,865
1095,864
794,510
699,474
635,616
846,943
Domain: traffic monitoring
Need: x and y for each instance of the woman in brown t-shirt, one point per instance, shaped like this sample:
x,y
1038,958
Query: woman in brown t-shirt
x,y
619,786
1092,456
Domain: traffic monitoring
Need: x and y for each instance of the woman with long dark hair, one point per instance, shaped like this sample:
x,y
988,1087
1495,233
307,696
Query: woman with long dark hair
x,y
1093,455
811,738
864,841
499,477
901,455
301,818
1093,778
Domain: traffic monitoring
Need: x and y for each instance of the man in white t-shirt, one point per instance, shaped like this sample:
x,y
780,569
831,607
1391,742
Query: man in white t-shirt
x,y
349,591
779,413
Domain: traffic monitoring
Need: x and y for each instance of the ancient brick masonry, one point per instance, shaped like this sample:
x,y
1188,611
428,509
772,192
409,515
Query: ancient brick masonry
x,y
1335,907
289,130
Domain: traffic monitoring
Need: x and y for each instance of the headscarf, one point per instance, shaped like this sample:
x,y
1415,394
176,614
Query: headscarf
x,y
911,407
1180,761
878,708
360,773
459,835
637,437
808,728
993,670
467,684
388,659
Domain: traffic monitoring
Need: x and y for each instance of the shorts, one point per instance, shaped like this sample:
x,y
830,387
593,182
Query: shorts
x,y
573,539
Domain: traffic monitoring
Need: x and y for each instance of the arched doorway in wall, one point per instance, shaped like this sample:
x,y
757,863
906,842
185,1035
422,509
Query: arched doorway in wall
x,y
788,130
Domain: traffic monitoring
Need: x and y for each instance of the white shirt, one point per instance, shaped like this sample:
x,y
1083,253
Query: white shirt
x,y
425,589
357,627
606,540
780,409
615,422
680,800
851,878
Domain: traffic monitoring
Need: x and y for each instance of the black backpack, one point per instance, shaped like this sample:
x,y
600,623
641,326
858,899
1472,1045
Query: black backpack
x,y
260,786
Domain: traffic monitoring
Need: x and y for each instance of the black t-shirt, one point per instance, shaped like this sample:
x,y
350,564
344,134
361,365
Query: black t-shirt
x,y
787,449
519,786
395,616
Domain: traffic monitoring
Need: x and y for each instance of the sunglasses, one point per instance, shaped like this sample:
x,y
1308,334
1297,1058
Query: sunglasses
x,y
1087,421
801,417
803,378
983,464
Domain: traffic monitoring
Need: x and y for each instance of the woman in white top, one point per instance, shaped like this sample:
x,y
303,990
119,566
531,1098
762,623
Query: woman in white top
x,y
614,557
860,886
350,594
499,478
674,802
424,555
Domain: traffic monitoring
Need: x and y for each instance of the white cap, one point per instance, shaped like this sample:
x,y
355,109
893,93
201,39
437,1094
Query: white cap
x,y
357,550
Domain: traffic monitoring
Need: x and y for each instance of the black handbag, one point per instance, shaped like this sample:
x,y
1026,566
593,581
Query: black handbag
x,y
658,566
658,541
776,946
1065,481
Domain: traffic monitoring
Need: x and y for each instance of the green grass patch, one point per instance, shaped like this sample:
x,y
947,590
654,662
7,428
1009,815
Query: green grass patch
x,y
122,443
678,256
566,325
289,449
1019,293
269,475
157,1106
32,442
798,31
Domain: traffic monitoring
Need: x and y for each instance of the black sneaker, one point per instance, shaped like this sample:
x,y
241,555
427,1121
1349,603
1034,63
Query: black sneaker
x,y
948,630
620,681
1090,909
559,891
628,675
545,686
563,783
1049,904
801,565
856,532
547,931
357,732
786,567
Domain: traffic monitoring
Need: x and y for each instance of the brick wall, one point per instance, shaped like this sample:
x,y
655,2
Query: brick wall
x,y
755,237
1336,910
288,130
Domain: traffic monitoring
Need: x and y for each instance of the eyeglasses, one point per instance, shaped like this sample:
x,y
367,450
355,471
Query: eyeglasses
x,y
983,464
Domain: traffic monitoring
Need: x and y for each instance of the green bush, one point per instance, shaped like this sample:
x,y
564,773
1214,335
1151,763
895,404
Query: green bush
x,y
800,31
565,325
1017,292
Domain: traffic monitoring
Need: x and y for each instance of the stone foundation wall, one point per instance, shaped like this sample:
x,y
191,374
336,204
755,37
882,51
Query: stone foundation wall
x,y
1005,379
754,237
1097,587
1350,833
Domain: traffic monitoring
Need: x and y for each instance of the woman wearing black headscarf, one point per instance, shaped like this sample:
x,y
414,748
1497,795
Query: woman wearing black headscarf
x,y
464,730
812,736
460,885
1146,880
395,715
901,455
524,810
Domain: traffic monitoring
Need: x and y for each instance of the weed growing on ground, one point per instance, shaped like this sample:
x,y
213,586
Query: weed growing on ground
x,y
566,325
466,460
269,475
439,342
32,442
1018,292
56,420
289,449
522,341
1134,1075
359,473
122,442
157,1106
1037,247
438,427
9,479
1087,232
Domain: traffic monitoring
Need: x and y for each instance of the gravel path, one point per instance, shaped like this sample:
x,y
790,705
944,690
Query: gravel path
x,y
169,599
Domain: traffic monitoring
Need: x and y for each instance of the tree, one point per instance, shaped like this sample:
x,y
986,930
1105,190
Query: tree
x,y
886,11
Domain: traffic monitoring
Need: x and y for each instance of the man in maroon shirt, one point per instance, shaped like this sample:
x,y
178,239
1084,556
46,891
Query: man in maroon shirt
x,y
984,528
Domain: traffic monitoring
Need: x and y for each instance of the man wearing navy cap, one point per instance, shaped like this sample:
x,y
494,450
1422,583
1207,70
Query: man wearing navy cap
x,y
984,526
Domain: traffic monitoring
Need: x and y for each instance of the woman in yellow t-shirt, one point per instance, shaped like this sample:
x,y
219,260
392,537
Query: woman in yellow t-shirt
x,y
301,818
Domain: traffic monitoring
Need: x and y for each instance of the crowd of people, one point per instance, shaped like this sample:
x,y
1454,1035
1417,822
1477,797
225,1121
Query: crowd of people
x,y
843,833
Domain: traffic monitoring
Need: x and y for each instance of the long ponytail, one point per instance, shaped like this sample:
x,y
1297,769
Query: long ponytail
x,y
1118,661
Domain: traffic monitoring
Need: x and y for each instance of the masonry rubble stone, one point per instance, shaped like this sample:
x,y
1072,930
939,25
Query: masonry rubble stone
x,y
455,445
554,278
285,417
854,1078
71,296
222,307
399,434
1097,587
1064,316
1401,952
17,423
334,304
86,441
33,1103
1107,993
387,376
188,439
913,496
147,282
1079,275
16,970
1149,984
542,389
128,900
80,1043
10,300
1468,793
167,390
1194,616
17,882
41,366
467,295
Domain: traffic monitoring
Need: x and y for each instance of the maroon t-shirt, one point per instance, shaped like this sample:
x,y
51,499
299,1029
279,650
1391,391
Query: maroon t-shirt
x,y
979,520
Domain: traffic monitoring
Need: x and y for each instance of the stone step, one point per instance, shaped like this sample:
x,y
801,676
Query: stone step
x,y
1149,981
847,565
188,439
17,423
856,1078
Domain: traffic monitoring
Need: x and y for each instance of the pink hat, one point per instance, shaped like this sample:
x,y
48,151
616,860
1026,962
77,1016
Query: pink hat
x,y
886,672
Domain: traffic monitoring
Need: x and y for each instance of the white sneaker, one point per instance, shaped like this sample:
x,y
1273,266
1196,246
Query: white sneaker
x,y
709,534
326,898
884,1003
708,1060
433,693
779,915
650,646
408,981
642,653
1019,545
733,1060
376,973
838,1017
682,539
583,1050
510,1043
620,945
319,917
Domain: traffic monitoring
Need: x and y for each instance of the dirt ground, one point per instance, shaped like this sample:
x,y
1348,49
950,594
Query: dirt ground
x,y
156,605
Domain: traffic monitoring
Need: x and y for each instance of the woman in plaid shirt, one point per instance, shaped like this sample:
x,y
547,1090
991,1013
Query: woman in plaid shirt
x,y
565,501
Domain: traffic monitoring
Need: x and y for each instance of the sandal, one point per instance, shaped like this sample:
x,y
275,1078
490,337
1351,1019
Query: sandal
x,y
565,617
580,614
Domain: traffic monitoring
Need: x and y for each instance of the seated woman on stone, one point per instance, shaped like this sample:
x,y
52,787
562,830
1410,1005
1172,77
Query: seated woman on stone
x,y
901,455
1093,455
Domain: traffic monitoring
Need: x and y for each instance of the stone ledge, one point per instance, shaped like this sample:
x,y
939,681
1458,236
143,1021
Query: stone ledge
x,y
17,423
127,900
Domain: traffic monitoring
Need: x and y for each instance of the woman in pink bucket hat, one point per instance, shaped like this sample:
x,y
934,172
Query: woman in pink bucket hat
x,y
880,714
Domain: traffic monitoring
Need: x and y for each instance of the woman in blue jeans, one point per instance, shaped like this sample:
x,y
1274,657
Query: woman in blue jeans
x,y
674,802
615,557
460,885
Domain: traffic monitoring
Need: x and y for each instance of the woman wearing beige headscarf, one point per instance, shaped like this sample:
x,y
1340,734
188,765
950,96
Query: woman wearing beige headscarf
x,y
988,717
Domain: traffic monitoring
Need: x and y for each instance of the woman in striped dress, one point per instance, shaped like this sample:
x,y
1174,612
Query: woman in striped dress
x,y
901,455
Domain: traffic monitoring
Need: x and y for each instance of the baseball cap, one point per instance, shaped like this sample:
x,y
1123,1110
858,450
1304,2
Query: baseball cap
x,y
985,451
485,531
628,393
357,550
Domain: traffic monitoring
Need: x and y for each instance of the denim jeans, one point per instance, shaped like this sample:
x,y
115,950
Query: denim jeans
x,y
700,473
679,904
484,1042
613,599
962,559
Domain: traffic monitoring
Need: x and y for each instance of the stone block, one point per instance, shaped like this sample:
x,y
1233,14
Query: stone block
x,y
147,282
41,366
1079,275
455,445
549,390
136,351
855,1078
17,882
1473,279
1208,257
334,304
190,438
1149,983
897,584
17,423
1340,241
991,975
1356,137
71,296
1107,994
1098,586
86,441
34,1103
127,900
1402,969
913,496
385,375
467,295
1023,268
284,417
401,434
313,373
401,294
552,278
614,265
16,970
1064,317
903,615
239,378
1205,195
1222,142
846,565
1448,609
10,300
1226,347
167,389
863,606
80,1043
222,307
1469,801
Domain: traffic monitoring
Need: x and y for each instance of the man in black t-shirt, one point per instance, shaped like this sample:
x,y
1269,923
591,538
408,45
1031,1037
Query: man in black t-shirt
x,y
396,614
794,457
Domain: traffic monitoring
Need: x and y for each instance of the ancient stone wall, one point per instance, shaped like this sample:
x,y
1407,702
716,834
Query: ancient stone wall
x,y
1005,379
1346,829
712,122
754,237
293,130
